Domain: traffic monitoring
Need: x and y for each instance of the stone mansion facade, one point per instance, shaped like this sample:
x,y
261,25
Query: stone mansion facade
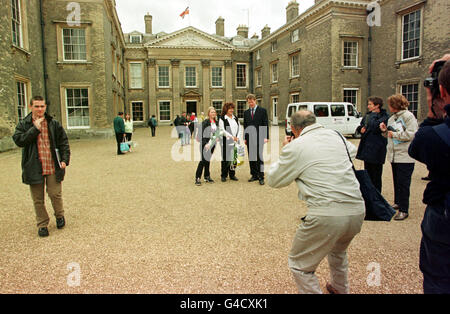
x,y
88,69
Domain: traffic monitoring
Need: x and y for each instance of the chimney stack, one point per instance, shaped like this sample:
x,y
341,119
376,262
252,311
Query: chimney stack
x,y
148,23
291,11
265,32
220,27
242,30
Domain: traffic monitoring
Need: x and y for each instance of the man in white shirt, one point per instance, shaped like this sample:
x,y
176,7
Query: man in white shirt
x,y
317,160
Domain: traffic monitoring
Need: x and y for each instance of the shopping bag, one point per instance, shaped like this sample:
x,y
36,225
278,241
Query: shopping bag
x,y
124,147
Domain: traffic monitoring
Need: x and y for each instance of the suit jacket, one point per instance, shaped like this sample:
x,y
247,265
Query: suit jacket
x,y
259,120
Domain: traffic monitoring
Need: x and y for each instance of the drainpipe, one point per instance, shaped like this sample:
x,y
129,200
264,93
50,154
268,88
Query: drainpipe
x,y
44,59
369,64
369,59
250,74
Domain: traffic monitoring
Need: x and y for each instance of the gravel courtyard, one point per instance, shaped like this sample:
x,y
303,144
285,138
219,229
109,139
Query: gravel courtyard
x,y
138,224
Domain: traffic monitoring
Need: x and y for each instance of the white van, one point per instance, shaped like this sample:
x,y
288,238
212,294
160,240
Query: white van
x,y
340,116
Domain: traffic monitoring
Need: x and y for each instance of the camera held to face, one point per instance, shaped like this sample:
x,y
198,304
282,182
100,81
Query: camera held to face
x,y
432,82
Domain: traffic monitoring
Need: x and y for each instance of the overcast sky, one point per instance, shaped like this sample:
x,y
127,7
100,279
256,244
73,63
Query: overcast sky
x,y
204,13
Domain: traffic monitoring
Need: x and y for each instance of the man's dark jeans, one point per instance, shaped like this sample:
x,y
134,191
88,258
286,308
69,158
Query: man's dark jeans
x,y
435,250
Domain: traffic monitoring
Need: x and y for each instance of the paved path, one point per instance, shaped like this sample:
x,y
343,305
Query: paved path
x,y
138,224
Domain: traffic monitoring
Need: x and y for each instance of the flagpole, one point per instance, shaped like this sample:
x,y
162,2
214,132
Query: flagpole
x,y
189,6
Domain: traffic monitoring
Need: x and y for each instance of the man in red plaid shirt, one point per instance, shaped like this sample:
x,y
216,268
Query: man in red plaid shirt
x,y
45,156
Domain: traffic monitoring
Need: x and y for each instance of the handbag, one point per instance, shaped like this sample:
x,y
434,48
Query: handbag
x,y
377,208
124,147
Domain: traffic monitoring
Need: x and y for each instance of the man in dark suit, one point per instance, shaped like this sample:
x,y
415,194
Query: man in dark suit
x,y
256,132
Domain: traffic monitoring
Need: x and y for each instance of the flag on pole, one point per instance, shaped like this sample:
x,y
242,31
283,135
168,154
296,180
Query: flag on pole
x,y
185,12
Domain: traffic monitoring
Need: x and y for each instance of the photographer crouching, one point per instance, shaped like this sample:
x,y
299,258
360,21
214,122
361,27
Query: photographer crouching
x,y
431,146
318,161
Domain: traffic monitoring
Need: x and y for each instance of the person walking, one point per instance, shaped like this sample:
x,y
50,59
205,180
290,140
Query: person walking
x,y
119,129
183,127
45,157
400,130
207,133
318,161
372,147
229,123
431,146
256,132
153,123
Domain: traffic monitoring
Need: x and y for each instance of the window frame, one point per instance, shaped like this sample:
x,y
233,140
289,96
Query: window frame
x,y
26,97
63,44
159,109
402,19
18,23
66,88
245,73
221,76
356,56
274,79
133,111
357,90
238,108
168,76
291,63
292,97
274,46
186,78
258,77
295,35
415,111
130,86
134,36
219,111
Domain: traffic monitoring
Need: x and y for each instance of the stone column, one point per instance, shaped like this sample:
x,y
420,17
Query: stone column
x,y
176,98
206,84
152,105
228,81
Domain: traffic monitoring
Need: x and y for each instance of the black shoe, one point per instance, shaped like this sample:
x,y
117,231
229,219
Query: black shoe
x,y
261,181
60,222
234,179
43,232
208,179
198,181
223,179
253,179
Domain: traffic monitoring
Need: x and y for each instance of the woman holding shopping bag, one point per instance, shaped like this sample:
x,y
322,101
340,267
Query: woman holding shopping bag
x,y
231,129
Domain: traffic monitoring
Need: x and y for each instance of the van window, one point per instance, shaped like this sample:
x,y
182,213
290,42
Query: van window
x,y
321,110
351,111
337,110
291,111
302,107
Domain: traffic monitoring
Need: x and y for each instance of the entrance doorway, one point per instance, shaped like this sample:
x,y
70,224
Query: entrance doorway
x,y
191,106
275,110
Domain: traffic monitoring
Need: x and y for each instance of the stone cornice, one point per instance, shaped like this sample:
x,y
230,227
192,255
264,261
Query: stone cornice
x,y
184,30
315,10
